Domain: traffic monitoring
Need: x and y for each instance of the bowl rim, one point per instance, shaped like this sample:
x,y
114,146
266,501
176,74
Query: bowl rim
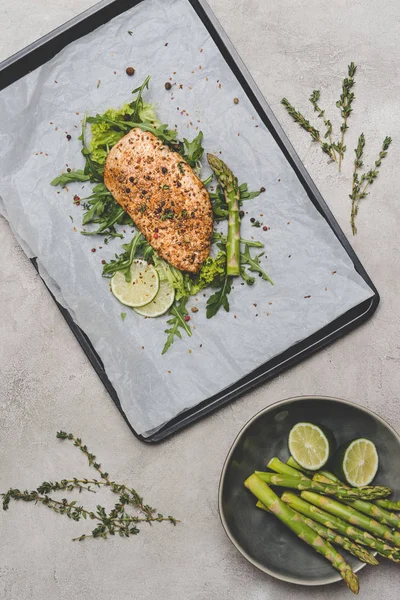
x,y
322,581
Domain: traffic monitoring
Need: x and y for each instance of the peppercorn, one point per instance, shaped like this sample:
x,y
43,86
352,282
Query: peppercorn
x,y
187,318
168,86
93,249
236,101
252,220
262,189
241,214
130,71
103,262
164,170
131,179
68,137
68,170
265,228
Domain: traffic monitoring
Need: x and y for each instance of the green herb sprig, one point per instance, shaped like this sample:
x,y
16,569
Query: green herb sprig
x,y
116,522
362,182
177,322
345,105
335,150
219,298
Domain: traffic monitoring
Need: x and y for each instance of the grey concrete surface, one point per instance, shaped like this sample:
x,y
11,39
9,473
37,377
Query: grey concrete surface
x,y
47,383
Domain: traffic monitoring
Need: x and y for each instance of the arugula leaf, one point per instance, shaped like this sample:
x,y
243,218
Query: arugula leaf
x,y
65,178
178,313
123,261
245,194
207,181
220,207
93,169
254,263
137,104
193,151
166,135
220,298
246,277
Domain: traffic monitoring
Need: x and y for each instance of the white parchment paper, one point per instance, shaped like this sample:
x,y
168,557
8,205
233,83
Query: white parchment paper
x,y
315,281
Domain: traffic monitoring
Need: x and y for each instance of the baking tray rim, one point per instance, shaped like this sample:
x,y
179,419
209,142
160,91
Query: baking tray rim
x,y
18,63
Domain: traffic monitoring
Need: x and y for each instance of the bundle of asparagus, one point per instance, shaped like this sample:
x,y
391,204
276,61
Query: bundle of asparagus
x,y
330,513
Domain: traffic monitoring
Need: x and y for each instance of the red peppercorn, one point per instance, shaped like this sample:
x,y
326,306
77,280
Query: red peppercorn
x,y
103,262
265,228
187,318
130,71
93,249
156,235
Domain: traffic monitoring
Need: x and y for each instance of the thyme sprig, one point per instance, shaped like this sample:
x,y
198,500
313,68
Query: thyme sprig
x,y
362,182
345,105
305,124
335,150
117,521
314,98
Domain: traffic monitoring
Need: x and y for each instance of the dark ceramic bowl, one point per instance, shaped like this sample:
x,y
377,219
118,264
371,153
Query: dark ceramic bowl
x,y
260,537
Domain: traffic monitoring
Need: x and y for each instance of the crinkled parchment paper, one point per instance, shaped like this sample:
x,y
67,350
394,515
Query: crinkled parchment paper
x,y
38,111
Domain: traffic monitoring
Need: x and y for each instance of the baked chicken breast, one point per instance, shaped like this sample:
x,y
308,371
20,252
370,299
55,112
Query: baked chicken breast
x,y
165,199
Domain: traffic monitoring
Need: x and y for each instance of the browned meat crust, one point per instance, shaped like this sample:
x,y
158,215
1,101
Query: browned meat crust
x,y
164,197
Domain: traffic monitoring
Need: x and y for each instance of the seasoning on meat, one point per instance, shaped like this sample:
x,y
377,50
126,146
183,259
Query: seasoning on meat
x,y
164,198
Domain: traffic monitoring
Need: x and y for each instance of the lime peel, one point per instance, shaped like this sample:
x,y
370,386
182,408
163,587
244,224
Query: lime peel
x,y
141,289
160,304
360,462
309,446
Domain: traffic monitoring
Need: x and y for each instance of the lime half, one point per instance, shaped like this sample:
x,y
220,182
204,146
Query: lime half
x,y
359,462
141,289
310,446
160,304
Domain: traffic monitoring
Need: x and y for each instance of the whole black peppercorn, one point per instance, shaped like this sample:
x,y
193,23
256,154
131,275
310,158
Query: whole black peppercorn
x,y
168,86
262,189
68,137
252,220
241,214
130,71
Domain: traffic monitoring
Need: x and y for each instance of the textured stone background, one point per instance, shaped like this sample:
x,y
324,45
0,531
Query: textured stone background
x,y
47,383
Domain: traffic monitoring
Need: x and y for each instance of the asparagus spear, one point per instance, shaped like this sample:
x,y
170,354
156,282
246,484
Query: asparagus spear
x,y
290,518
362,537
230,186
368,508
296,483
285,469
353,516
388,504
383,503
334,537
292,463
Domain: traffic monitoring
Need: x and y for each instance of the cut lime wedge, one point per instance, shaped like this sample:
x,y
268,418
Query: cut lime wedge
x,y
359,462
160,304
310,446
141,289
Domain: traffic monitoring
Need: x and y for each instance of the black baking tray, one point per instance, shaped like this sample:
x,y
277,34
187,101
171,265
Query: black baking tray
x,y
45,48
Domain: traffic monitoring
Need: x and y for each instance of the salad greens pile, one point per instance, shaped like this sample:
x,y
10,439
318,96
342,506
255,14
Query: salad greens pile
x,y
103,212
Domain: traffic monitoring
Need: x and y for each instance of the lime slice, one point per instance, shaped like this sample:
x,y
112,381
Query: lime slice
x,y
160,304
142,288
310,446
359,462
